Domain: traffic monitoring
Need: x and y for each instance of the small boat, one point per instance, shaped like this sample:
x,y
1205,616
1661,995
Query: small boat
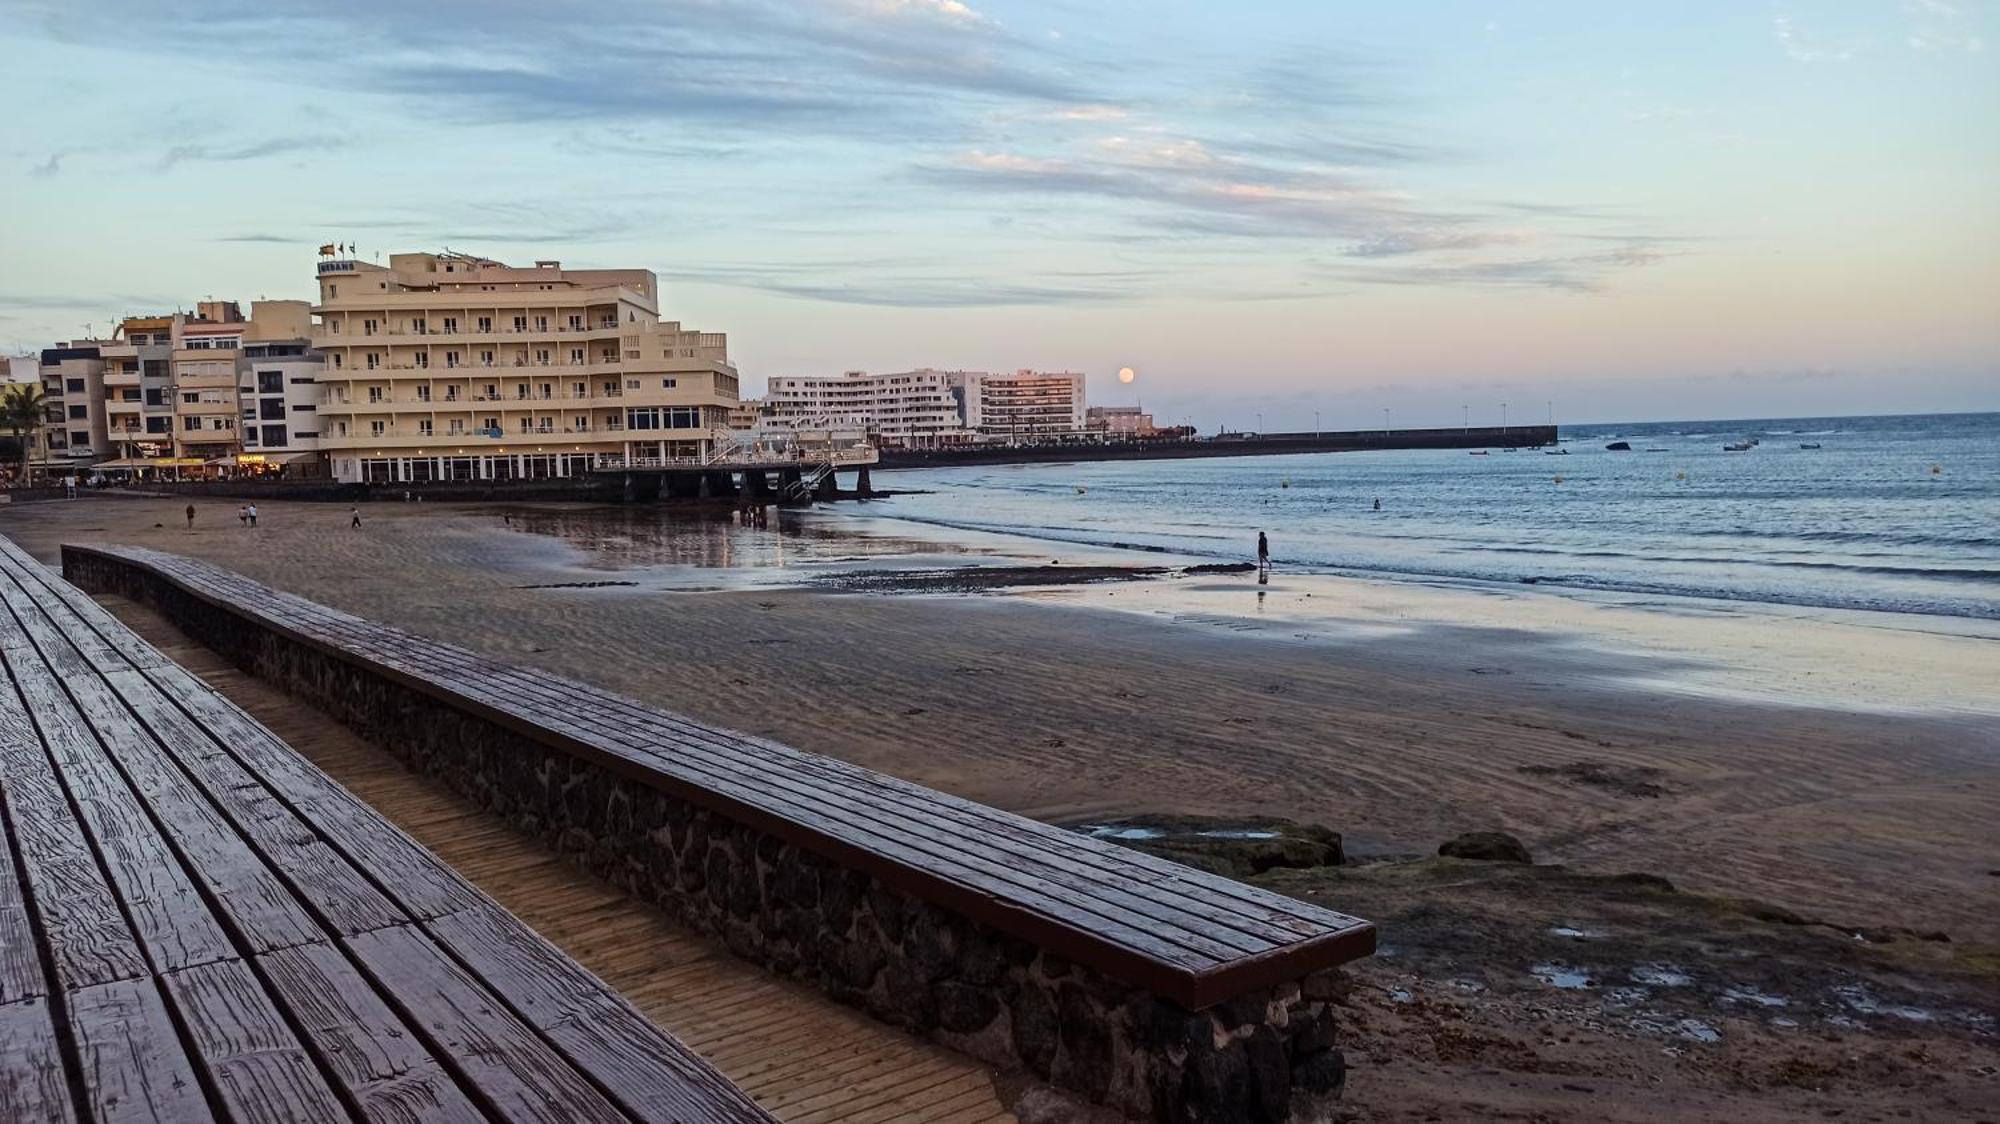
x,y
1555,452
1808,444
1659,450
1620,446
1739,447
1476,453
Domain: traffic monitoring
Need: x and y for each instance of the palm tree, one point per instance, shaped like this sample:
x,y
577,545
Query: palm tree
x,y
22,411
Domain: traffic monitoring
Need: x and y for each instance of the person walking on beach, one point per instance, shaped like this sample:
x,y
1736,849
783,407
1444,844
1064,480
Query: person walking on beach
x,y
354,518
251,511
190,515
242,515
1263,553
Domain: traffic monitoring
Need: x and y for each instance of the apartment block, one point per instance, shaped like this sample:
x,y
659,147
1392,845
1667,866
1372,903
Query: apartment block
x,y
919,409
1023,407
1119,421
455,367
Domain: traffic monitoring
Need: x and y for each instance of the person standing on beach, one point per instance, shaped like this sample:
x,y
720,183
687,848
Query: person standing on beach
x,y
251,511
190,515
1263,553
242,515
354,518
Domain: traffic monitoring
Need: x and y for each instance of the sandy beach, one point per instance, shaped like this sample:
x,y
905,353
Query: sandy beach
x,y
1843,769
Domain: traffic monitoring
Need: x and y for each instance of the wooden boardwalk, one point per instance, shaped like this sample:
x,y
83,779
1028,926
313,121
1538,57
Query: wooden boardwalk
x,y
799,1054
196,924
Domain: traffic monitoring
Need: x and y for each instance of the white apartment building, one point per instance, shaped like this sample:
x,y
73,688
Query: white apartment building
x,y
1023,407
919,409
454,367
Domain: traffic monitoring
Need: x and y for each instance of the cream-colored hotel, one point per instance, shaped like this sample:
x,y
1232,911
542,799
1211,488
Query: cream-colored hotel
x,y
453,367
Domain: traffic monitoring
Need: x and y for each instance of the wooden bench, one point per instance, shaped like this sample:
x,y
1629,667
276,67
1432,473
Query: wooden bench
x,y
197,924
612,779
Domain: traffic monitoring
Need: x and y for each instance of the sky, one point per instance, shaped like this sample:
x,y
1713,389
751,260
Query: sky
x,y
1284,214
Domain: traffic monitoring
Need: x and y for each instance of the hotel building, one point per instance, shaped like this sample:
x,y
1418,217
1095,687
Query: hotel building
x,y
920,409
929,408
454,367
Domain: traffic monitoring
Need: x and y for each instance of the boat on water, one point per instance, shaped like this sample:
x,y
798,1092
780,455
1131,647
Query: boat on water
x,y
1555,452
1808,444
1739,447
1476,453
1620,446
1659,450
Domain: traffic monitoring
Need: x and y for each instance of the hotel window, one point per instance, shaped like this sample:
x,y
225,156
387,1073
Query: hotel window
x,y
368,327
79,413
541,357
190,398
580,390
486,323
271,409
520,323
451,323
457,425
374,394
273,434
333,326
631,384
374,360
669,384
221,423
375,429
424,427
576,356
419,325
423,394
541,323
610,387
486,358
548,425
340,429
490,425
451,393
336,361
451,358
489,391
190,423
423,359
332,290
576,323
270,382
548,390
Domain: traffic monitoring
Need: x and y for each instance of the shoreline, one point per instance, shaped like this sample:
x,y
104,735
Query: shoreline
x,y
1402,717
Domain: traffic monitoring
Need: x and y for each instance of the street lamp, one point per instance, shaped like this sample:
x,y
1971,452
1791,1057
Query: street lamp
x,y
1385,421
1316,429
1260,425
1465,417
1503,417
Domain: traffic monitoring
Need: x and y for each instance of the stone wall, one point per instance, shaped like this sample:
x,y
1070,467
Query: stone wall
x,y
1266,1056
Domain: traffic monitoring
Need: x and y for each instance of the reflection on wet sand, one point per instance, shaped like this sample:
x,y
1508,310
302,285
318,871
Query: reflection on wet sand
x,y
614,538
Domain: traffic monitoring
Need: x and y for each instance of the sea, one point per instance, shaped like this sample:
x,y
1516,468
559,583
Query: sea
x,y
1893,514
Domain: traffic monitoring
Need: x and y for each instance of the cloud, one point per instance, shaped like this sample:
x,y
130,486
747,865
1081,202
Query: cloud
x,y
1801,47
276,146
1938,26
1574,273
272,238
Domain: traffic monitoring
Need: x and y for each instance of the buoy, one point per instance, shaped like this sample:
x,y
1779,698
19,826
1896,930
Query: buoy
x,y
1284,483
1937,470
1559,479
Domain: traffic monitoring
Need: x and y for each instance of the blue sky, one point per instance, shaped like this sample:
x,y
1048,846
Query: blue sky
x,y
1695,209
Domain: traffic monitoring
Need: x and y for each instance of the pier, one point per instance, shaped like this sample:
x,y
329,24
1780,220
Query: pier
x,y
1229,445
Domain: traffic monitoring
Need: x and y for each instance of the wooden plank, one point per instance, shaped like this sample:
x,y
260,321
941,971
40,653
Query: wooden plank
x,y
240,1042
131,1060
89,939
406,872
335,890
20,959
651,1075
471,1030
372,1053
258,906
128,646
33,1083
172,921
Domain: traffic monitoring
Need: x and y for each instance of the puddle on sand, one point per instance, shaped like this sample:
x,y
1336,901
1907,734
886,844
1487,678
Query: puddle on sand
x,y
1567,933
1561,975
1661,975
1858,999
1239,833
1752,996
1401,995
1117,831
1468,985
1628,996
1694,1030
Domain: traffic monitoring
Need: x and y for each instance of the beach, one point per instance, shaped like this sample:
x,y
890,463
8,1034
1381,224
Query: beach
x,y
1741,754
1385,717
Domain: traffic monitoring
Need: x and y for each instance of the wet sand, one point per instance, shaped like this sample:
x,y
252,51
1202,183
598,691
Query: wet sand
x,y
1734,752
1400,736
